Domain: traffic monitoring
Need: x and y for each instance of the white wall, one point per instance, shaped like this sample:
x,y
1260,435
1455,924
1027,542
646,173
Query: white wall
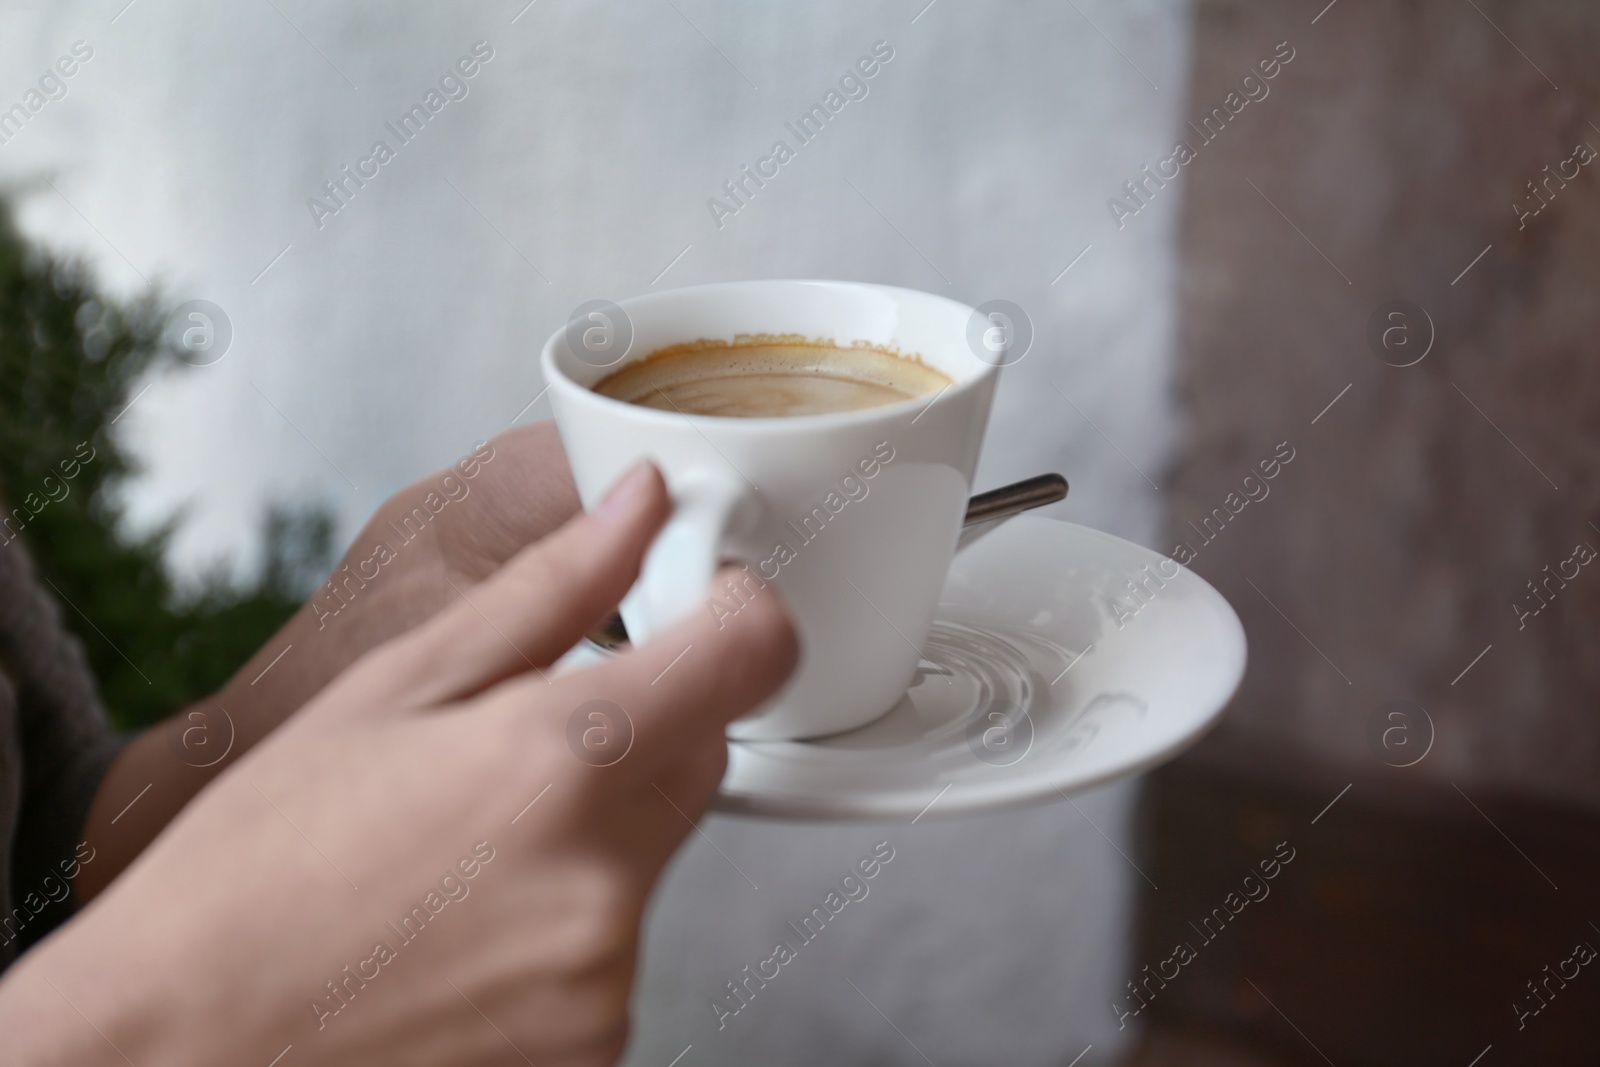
x,y
407,326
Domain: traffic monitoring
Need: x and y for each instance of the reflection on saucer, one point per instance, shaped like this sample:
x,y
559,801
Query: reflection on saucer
x,y
1029,688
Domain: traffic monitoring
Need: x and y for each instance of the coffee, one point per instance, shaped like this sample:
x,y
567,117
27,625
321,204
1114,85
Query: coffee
x,y
763,377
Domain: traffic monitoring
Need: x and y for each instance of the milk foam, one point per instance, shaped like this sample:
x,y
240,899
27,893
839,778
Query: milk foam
x,y
763,378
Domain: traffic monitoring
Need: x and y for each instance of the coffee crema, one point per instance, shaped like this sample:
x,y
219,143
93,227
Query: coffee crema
x,y
766,376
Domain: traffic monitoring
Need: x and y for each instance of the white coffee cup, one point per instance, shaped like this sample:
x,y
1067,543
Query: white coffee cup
x,y
853,515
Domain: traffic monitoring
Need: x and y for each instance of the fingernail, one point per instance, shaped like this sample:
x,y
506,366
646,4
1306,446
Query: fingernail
x,y
626,495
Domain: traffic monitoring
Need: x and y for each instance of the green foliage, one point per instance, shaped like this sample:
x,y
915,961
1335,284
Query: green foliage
x,y
70,361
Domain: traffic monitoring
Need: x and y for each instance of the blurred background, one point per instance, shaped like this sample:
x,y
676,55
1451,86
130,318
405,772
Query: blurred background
x,y
1378,259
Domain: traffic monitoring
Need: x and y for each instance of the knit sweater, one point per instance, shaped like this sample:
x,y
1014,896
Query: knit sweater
x,y
55,746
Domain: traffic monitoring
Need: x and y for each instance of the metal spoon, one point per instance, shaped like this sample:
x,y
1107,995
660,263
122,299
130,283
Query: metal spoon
x,y
1018,496
1025,495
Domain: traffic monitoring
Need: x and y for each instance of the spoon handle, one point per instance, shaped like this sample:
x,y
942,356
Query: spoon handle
x,y
1018,496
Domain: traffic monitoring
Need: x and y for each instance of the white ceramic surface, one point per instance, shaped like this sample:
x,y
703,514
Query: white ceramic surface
x,y
1029,623
853,515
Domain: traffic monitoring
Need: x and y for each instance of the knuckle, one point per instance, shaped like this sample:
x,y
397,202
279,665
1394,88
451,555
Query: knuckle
x,y
600,925
586,1021
596,1030
607,1047
763,638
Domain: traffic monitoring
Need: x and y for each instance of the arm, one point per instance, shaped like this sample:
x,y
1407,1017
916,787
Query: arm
x,y
419,867
505,495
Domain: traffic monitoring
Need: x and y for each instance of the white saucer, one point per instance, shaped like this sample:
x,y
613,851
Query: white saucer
x,y
1029,688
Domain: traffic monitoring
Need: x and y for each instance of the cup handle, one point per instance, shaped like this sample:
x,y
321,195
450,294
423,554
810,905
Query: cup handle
x,y
709,509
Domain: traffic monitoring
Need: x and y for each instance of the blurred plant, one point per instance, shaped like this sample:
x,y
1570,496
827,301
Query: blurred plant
x,y
69,360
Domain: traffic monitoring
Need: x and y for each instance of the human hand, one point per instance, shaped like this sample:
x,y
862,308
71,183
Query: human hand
x,y
421,548
449,528
218,942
